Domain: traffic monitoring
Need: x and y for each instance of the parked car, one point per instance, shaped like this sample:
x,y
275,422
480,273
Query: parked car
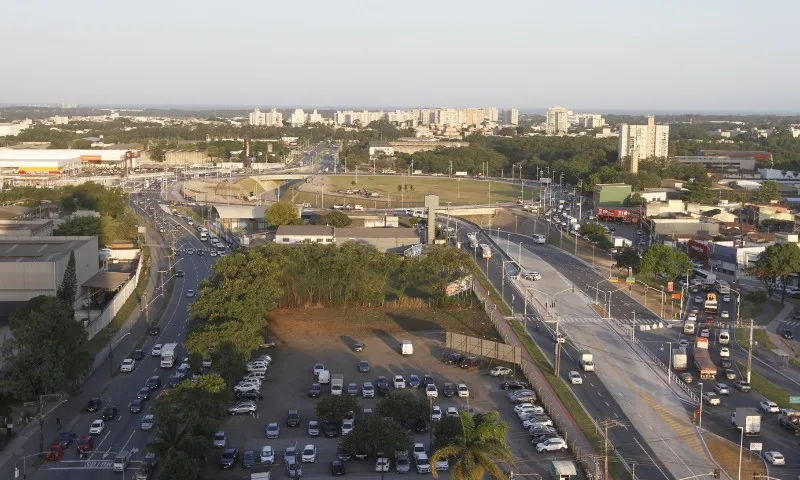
x,y
552,445
267,456
220,439
293,418
500,371
315,391
228,458
313,428
448,389
243,407
742,386
273,430
363,366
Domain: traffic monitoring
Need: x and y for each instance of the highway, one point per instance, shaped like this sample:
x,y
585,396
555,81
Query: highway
x,y
123,433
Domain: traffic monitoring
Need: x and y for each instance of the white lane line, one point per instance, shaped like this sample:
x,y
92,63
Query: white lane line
x,y
129,439
97,447
609,406
651,458
691,472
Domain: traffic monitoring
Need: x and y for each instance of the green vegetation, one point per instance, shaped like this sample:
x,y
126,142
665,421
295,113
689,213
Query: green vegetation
x,y
477,449
282,213
664,261
768,191
759,335
403,407
334,408
767,388
334,218
775,265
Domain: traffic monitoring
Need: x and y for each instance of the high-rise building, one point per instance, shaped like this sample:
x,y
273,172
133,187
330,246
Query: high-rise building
x,y
298,117
257,117
314,117
511,116
274,118
590,120
640,142
492,114
449,116
557,120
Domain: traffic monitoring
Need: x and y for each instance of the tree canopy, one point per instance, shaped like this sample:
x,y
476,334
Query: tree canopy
x,y
333,408
375,434
768,191
664,260
335,218
69,284
281,213
775,264
476,451
403,407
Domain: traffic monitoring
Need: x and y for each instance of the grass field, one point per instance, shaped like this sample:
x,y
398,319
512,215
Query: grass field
x,y
767,388
726,454
464,191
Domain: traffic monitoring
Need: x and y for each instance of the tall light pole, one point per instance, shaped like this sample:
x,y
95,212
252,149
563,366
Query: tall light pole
x,y
741,448
700,417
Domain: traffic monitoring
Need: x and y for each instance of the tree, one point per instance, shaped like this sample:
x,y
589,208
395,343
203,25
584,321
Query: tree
x,y
403,407
177,465
376,435
173,436
446,431
775,264
82,144
48,351
82,226
768,191
593,231
635,200
69,283
335,408
281,213
477,449
666,261
628,257
158,152
337,219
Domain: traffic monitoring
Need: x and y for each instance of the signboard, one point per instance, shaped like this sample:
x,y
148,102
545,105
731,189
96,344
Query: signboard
x,y
613,279
676,296
794,399
670,286
459,286
755,447
631,279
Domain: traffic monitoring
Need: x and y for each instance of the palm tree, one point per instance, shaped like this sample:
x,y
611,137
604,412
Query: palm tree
x,y
477,449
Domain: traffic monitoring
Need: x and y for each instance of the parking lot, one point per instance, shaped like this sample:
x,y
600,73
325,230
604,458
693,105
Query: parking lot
x,y
301,344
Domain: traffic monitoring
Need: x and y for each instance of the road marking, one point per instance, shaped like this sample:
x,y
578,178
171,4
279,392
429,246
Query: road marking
x,y
99,444
609,406
126,443
651,458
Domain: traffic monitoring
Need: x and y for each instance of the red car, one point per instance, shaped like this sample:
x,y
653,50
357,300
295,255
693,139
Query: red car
x,y
55,453
85,445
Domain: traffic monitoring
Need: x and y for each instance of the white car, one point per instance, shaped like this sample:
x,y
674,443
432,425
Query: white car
x,y
724,314
436,413
318,368
431,391
257,367
267,455
711,398
724,352
423,463
97,427
127,365
463,391
156,351
382,464
552,445
537,422
212,253
775,458
575,378
525,407
769,407
309,454
698,299
399,381
691,318
500,371
247,387
367,390
532,276
683,343
726,298
347,426
419,449
189,293
452,412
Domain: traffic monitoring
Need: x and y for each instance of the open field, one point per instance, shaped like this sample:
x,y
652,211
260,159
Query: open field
x,y
726,455
464,191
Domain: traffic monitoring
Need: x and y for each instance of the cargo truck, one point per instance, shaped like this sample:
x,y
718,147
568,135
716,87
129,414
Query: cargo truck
x,y
706,369
680,361
587,361
620,242
747,419
710,305
791,420
337,383
168,355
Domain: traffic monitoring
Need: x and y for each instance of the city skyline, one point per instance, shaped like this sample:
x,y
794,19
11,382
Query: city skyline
x,y
639,57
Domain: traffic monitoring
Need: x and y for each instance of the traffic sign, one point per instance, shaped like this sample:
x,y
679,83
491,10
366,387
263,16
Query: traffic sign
x,y
794,399
631,279
755,447
613,279
676,296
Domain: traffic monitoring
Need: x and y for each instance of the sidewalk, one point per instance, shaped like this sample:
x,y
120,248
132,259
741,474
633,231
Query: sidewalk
x,y
25,441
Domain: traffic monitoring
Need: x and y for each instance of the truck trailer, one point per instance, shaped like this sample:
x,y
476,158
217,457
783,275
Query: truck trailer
x,y
706,369
168,355
747,419
680,361
587,361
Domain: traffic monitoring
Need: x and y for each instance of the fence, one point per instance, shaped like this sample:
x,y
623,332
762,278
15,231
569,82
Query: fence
x,y
116,303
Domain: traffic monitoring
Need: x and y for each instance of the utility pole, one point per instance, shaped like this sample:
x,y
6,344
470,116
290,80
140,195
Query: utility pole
x,y
606,424
557,369
750,353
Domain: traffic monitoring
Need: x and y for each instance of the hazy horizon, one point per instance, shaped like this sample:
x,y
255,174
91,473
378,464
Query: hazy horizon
x,y
713,57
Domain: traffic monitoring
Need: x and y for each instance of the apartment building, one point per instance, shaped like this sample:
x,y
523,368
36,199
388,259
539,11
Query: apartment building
x,y
273,118
298,117
557,120
640,142
511,116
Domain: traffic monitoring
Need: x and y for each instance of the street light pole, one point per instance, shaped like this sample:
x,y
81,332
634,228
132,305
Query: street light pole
x,y
741,448
700,417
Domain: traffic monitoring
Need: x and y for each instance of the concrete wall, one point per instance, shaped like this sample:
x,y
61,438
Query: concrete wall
x,y
177,158
94,325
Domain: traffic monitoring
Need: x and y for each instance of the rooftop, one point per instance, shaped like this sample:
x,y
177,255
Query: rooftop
x,y
379,144
240,211
314,230
107,280
38,249
366,232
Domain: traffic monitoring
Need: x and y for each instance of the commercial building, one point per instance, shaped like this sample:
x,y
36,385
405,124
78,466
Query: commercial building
x,y
239,219
719,163
759,155
642,142
14,129
557,120
419,144
39,168
611,195
26,228
65,160
685,227
395,240
381,146
33,266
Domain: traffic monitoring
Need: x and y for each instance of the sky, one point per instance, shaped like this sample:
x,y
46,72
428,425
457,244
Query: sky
x,y
684,56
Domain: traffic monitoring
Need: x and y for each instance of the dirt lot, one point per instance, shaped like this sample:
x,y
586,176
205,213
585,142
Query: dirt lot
x,y
308,336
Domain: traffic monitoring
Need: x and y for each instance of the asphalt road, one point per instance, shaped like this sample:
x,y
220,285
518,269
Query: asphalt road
x,y
124,432
599,402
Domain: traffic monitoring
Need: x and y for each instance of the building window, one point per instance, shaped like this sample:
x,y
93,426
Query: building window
x,y
285,239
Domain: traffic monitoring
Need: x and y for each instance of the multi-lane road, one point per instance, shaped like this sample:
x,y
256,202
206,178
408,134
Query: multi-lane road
x,y
124,433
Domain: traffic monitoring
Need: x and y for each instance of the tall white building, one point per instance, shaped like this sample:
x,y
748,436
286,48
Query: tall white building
x,y
60,120
641,142
298,117
511,116
449,116
314,117
257,117
557,120
274,118
590,120
492,114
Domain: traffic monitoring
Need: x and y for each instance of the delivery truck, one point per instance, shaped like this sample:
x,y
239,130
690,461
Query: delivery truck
x,y
706,369
337,383
620,242
473,240
168,355
747,419
790,419
680,361
587,361
406,347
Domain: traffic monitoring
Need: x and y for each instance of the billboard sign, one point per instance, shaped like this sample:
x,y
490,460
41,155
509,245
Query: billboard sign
x,y
459,286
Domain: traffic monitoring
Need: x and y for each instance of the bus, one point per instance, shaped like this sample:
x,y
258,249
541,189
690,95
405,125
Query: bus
x,y
707,277
710,305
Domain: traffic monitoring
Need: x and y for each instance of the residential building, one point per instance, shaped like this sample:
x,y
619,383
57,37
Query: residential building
x,y
60,120
298,118
257,118
314,117
449,116
511,116
590,120
557,121
492,114
642,142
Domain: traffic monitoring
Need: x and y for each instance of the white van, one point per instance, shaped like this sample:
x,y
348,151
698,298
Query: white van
x,y
407,348
121,461
540,239
324,377
203,236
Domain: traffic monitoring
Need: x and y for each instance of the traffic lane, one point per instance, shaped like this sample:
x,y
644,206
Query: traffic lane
x,y
598,401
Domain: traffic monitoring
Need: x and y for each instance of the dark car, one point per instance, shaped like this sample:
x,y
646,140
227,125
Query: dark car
x,y
453,359
94,404
135,406
331,429
144,393
248,459
420,426
153,383
337,468
250,395
427,380
382,380
180,273
363,366
154,330
228,457
109,413
787,334
513,385
359,347
448,389
686,377
137,355
293,418
315,391
725,362
471,362
66,438
175,380
343,454
413,381
383,390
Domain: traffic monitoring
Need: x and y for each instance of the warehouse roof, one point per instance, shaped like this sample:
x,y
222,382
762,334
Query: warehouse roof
x,y
107,280
240,211
38,249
